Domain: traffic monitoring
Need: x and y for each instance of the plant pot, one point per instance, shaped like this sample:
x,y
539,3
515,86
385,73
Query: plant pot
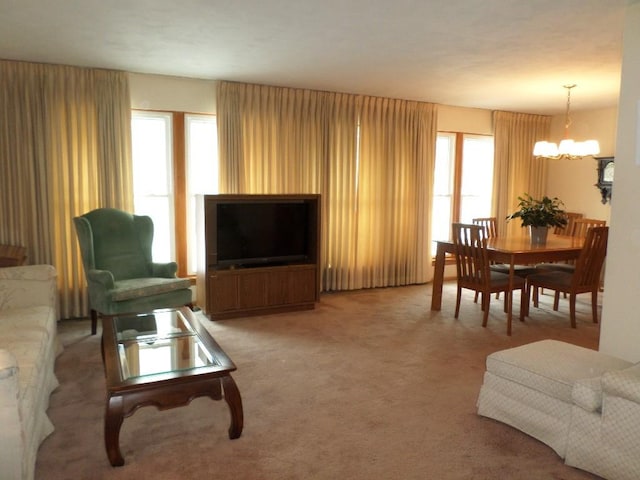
x,y
539,235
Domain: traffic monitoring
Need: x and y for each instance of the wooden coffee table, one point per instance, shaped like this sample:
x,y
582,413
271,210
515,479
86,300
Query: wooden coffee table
x,y
165,358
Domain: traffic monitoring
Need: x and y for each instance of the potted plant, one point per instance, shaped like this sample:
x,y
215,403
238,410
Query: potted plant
x,y
539,215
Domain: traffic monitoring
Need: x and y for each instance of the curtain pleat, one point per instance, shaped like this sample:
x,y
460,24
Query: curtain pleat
x,y
371,159
516,170
65,143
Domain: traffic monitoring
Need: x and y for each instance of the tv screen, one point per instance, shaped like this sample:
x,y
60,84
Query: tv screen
x,y
262,232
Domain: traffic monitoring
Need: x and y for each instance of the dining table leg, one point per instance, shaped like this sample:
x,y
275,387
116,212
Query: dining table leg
x,y
510,295
438,277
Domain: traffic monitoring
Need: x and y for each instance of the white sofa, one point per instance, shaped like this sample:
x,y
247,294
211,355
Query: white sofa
x,y
28,347
584,404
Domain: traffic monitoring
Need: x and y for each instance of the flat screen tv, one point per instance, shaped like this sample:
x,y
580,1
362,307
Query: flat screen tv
x,y
263,229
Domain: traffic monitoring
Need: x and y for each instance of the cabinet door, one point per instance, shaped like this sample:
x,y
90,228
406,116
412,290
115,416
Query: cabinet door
x,y
223,293
279,285
302,285
252,289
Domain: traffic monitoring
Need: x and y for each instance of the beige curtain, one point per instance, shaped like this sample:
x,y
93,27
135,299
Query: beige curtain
x,y
516,170
65,146
370,158
397,145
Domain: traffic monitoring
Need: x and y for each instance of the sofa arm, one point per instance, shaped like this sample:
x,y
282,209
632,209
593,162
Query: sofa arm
x,y
8,366
11,432
27,286
623,383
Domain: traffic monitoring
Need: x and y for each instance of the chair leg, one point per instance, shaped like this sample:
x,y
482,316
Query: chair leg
x,y
556,301
475,297
572,309
458,302
594,306
524,302
486,299
94,321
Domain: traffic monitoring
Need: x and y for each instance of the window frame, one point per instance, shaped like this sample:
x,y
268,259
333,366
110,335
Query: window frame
x,y
458,161
179,184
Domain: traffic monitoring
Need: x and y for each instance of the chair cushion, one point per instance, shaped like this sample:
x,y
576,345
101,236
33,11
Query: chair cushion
x,y
551,367
519,270
562,267
145,287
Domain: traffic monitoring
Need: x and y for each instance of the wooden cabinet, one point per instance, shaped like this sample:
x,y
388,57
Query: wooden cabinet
x,y
260,290
233,291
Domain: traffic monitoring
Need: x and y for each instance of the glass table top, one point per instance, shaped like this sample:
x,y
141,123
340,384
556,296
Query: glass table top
x,y
159,342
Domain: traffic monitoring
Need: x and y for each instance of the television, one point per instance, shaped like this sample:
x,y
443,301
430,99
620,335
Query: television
x,y
245,231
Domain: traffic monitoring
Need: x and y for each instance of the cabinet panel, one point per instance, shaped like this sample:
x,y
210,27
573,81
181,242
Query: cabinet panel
x,y
302,285
279,287
223,293
252,289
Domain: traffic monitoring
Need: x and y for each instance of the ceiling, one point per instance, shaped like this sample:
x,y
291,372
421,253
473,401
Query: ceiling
x,y
511,55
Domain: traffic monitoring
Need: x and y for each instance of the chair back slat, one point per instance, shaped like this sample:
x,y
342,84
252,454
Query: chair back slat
x,y
568,228
591,259
582,225
471,254
489,225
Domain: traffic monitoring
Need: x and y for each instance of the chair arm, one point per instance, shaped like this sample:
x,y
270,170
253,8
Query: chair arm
x,y
623,383
104,278
164,270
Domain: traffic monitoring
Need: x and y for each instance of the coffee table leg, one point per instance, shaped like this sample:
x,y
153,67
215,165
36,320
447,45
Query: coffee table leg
x,y
232,397
112,422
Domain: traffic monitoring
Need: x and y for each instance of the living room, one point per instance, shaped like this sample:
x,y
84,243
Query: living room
x,y
614,126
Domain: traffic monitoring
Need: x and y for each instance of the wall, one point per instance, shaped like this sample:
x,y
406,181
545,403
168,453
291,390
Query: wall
x,y
573,181
467,120
160,92
620,330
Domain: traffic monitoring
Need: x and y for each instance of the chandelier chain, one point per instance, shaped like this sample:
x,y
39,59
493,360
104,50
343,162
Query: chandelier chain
x,y
567,118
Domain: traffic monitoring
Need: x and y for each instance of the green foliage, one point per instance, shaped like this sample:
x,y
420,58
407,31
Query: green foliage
x,y
546,212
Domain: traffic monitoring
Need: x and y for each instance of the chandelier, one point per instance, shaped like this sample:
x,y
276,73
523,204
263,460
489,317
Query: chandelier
x,y
568,149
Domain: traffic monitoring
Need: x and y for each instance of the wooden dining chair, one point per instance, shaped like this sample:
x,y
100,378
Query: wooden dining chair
x,y
582,225
489,224
566,229
579,229
490,231
584,279
473,272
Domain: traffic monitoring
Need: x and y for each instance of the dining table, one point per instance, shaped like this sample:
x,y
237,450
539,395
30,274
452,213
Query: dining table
x,y
509,250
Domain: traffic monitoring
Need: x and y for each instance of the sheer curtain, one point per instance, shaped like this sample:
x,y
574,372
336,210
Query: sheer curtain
x,y
516,171
65,146
370,158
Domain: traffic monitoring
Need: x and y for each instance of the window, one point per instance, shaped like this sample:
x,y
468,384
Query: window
x,y
202,172
463,181
151,143
175,158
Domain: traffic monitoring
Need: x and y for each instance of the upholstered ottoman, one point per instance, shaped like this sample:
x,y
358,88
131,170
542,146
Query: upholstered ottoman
x,y
530,387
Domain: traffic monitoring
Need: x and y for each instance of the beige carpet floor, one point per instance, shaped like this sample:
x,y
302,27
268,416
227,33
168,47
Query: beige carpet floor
x,y
369,385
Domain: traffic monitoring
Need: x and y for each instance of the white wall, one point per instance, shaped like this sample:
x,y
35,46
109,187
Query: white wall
x,y
620,330
573,181
570,181
467,120
160,92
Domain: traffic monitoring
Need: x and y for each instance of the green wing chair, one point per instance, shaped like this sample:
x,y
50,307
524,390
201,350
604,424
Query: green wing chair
x,y
121,276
